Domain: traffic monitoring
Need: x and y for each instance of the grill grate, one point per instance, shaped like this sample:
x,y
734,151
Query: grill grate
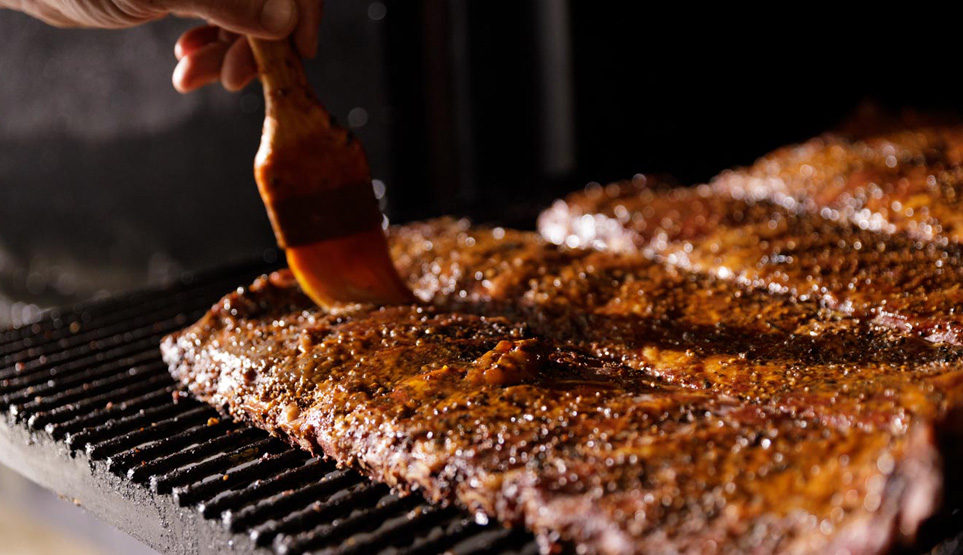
x,y
90,413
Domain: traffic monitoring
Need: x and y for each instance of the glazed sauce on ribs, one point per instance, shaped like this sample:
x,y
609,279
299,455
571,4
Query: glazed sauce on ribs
x,y
869,227
768,363
595,398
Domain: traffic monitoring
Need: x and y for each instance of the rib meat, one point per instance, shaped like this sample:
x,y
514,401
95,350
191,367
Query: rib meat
x,y
599,398
870,228
906,181
684,327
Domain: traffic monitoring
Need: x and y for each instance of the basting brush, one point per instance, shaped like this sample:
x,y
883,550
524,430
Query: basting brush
x,y
314,179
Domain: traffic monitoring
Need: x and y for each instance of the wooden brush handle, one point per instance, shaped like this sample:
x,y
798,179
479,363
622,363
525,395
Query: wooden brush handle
x,y
314,179
312,173
282,74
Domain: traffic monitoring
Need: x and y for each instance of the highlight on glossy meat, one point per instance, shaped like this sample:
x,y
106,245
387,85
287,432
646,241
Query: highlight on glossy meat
x,y
867,227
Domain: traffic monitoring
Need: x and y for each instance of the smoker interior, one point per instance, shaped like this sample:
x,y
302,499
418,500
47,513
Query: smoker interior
x,y
91,413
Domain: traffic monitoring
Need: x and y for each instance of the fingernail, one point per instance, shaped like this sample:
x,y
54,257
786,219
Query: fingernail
x,y
177,79
276,15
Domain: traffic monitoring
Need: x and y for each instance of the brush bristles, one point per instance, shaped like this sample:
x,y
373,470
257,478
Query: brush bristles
x,y
356,268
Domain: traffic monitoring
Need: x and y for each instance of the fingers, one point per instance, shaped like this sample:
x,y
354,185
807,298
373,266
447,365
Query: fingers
x,y
195,38
269,19
207,54
239,67
200,67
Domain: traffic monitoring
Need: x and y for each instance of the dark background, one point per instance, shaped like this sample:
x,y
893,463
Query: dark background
x,y
110,180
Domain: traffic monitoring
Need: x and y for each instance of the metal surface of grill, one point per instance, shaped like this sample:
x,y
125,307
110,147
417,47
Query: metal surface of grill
x,y
91,413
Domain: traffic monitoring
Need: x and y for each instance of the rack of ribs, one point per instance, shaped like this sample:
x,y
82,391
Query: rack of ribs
x,y
870,227
604,399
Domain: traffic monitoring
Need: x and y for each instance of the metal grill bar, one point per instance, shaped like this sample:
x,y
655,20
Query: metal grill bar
x,y
116,325
398,531
115,428
32,399
360,497
110,310
25,375
359,522
217,464
445,536
168,444
106,448
87,384
170,312
277,505
148,471
74,417
205,490
221,505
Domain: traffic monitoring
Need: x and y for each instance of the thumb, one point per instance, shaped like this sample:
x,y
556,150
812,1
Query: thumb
x,y
268,19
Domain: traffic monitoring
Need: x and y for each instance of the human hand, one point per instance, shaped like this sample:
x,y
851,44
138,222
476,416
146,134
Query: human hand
x,y
206,54
220,51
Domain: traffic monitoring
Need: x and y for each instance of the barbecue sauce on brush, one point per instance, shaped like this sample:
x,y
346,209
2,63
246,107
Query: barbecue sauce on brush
x,y
314,180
